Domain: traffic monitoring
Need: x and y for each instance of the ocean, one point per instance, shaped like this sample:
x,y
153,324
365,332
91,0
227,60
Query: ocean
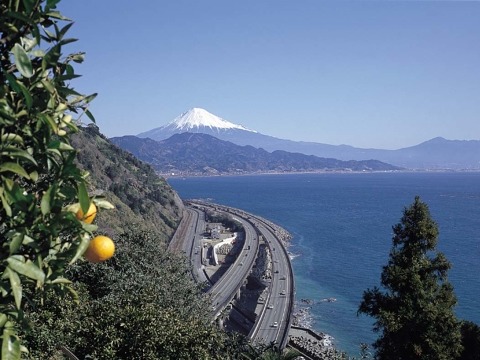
x,y
342,229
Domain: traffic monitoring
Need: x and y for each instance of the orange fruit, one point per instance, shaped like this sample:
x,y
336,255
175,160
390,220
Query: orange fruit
x,y
101,248
89,216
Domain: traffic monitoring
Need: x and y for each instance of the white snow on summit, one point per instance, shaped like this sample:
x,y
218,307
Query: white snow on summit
x,y
197,117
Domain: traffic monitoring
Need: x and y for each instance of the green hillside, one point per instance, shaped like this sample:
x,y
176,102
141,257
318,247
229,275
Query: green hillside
x,y
141,304
139,195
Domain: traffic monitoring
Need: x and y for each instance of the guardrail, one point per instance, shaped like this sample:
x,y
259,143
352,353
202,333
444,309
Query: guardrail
x,y
248,218
221,306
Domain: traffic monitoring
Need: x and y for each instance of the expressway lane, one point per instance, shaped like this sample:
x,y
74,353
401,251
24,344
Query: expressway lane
x,y
273,323
187,239
195,249
225,289
274,319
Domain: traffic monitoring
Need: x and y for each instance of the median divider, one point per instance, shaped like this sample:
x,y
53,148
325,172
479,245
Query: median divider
x,y
247,217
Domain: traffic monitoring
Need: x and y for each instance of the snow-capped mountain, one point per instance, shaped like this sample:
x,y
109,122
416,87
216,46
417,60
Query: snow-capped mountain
x,y
195,120
436,153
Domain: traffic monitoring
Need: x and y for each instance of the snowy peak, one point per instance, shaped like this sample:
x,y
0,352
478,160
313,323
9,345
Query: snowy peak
x,y
196,118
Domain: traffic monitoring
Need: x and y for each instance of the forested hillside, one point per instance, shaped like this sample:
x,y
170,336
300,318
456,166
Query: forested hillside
x,y
141,304
139,195
203,154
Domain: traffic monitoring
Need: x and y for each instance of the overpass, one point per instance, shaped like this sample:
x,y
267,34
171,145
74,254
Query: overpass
x,y
273,320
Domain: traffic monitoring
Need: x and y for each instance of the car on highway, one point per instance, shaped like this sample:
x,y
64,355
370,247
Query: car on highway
x,y
275,324
270,306
283,292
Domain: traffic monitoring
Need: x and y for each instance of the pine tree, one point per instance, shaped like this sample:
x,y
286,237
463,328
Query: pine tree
x,y
414,310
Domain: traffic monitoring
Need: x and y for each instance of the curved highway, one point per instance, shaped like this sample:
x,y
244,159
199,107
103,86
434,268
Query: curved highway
x,y
273,321
225,289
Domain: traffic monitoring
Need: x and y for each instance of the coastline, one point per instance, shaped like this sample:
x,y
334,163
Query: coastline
x,y
301,336
262,173
329,246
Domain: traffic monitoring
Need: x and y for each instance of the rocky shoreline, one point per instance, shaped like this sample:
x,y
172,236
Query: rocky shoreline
x,y
312,344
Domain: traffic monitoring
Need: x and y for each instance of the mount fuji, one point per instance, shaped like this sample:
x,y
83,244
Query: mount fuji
x,y
437,153
197,120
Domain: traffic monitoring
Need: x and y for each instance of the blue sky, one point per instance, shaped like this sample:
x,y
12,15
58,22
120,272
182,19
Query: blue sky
x,y
381,74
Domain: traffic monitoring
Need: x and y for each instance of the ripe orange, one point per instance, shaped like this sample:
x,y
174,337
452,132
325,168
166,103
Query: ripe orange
x,y
101,248
89,216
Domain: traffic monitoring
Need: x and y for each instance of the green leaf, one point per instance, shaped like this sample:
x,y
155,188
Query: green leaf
x,y
48,86
83,197
54,151
60,280
49,121
16,242
64,30
74,294
12,138
16,285
10,345
57,15
20,16
52,56
28,268
20,154
89,227
65,147
3,320
5,203
26,95
84,242
12,80
22,61
102,203
89,98
27,240
78,58
51,4
67,41
45,204
37,53
90,116
68,77
15,168
34,176
29,43
28,5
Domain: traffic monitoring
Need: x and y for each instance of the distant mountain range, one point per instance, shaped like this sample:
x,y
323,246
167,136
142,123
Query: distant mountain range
x,y
437,153
203,154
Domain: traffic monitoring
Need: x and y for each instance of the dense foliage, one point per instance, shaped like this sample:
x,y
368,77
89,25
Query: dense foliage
x,y
226,220
139,305
415,312
39,180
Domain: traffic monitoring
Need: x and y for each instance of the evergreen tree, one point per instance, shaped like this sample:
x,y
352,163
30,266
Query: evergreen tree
x,y
414,311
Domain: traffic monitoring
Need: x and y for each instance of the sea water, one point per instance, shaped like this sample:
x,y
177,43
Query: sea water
x,y
342,229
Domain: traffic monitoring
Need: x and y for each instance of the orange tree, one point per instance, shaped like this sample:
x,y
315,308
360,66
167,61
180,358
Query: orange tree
x,y
39,181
